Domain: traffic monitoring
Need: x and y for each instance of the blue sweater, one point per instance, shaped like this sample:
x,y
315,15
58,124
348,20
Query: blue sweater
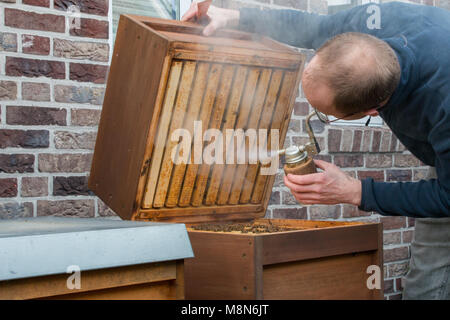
x,y
419,110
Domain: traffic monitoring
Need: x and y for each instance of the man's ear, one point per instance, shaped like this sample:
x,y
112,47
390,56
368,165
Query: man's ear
x,y
371,112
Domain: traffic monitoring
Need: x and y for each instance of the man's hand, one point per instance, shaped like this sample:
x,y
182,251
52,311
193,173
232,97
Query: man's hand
x,y
218,17
332,186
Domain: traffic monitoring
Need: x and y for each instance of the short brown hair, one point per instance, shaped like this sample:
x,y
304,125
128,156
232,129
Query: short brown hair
x,y
361,69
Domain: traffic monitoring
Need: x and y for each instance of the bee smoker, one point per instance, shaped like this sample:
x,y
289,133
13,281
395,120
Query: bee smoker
x,y
298,159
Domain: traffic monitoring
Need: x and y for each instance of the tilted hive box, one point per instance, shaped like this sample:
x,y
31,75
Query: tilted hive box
x,y
164,76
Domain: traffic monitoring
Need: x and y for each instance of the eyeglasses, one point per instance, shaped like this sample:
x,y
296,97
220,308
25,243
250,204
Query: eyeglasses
x,y
324,118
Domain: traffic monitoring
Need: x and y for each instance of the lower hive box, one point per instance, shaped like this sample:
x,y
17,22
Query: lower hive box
x,y
283,259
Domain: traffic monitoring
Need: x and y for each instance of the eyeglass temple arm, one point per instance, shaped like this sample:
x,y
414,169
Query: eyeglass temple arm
x,y
313,147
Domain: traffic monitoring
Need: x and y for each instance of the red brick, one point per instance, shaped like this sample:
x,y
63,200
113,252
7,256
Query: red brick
x,y
35,91
24,138
71,186
406,160
395,254
12,163
385,141
97,7
378,160
66,208
295,126
390,223
411,222
289,213
408,236
66,162
376,140
19,115
393,144
388,286
347,140
357,139
376,175
91,28
34,187
88,72
392,238
8,42
13,210
334,140
301,109
288,198
85,117
35,45
35,68
8,90
349,161
274,198
40,3
398,175
8,188
365,144
350,211
34,21
104,210
324,212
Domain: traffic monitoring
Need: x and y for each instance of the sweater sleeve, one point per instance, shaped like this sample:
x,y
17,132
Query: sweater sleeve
x,y
303,29
423,199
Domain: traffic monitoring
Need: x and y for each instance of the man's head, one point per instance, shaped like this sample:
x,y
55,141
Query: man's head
x,y
351,74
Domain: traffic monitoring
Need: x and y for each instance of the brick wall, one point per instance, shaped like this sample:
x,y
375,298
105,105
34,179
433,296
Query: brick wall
x,y
52,79
53,66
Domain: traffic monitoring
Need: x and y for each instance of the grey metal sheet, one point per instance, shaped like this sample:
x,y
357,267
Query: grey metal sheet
x,y
49,245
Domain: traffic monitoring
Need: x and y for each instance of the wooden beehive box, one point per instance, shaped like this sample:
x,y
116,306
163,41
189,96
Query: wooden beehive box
x,y
165,75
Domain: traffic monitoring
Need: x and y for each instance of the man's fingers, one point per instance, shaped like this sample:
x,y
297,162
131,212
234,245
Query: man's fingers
x,y
191,13
308,188
323,164
211,28
306,179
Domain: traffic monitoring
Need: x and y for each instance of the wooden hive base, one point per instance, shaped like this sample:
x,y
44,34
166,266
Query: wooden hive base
x,y
285,259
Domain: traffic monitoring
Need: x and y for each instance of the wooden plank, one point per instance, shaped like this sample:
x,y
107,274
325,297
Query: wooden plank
x,y
163,128
235,56
205,114
178,115
339,277
189,28
191,116
221,102
229,122
201,210
260,94
225,273
126,115
152,132
377,259
243,117
53,285
206,217
310,244
153,291
264,123
277,122
179,282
